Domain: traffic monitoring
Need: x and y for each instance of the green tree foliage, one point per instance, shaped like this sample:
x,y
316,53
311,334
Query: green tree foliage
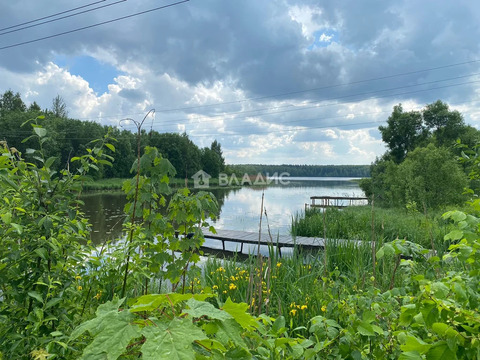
x,y
59,107
212,159
11,102
404,131
430,176
302,170
41,233
420,166
69,138
184,155
445,126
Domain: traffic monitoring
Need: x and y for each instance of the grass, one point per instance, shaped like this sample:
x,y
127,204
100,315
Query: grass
x,y
117,183
388,224
305,284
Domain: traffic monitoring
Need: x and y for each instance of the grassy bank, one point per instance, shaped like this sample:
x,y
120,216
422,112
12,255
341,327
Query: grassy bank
x,y
117,183
361,223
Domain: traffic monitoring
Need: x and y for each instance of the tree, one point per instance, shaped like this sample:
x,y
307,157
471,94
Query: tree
x,y
429,176
59,107
11,102
212,160
404,131
34,107
446,126
217,149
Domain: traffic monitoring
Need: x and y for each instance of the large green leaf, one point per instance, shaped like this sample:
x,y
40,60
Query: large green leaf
x,y
154,301
239,313
198,309
171,341
41,132
112,331
414,344
410,355
441,352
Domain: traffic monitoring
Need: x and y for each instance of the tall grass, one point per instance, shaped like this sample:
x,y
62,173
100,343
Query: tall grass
x,y
389,224
300,286
303,285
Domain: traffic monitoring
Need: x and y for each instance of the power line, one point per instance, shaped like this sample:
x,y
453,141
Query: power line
x,y
325,87
94,25
21,134
209,119
286,123
61,18
282,94
253,112
53,15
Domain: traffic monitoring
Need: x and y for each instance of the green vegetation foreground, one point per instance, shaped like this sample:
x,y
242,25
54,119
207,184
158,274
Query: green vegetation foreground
x,y
62,298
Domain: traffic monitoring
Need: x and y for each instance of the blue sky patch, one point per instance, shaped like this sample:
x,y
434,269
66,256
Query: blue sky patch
x,y
323,38
99,75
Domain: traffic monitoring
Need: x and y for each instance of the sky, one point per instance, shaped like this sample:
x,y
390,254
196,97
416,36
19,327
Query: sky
x,y
275,82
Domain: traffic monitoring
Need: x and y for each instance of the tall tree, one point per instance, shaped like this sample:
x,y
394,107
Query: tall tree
x,y
59,107
404,131
446,126
11,102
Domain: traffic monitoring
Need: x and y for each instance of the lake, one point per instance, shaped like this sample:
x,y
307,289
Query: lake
x,y
239,208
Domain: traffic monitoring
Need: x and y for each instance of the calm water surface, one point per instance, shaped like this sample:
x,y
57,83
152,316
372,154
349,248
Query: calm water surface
x,y
240,208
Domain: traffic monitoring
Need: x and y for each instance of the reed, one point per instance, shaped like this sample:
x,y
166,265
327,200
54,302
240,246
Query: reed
x,y
389,224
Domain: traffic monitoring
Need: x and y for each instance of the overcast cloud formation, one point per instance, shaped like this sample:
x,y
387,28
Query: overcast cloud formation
x,y
299,82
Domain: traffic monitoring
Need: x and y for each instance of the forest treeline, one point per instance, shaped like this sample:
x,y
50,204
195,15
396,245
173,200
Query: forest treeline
x,y
70,138
304,170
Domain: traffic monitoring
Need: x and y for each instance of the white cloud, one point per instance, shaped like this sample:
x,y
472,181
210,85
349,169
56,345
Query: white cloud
x,y
325,38
210,68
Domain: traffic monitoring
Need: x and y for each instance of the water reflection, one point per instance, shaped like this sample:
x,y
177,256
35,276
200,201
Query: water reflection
x,y
239,208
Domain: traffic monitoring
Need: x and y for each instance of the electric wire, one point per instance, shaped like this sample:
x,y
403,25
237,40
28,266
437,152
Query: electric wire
x,y
94,25
53,15
288,130
288,122
62,17
208,119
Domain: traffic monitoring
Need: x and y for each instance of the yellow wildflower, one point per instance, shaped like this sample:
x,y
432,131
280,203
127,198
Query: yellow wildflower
x,y
279,264
293,312
324,308
78,277
232,286
79,288
303,307
224,291
215,287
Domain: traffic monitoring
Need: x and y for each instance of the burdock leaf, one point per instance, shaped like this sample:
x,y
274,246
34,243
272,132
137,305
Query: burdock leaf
x,y
171,341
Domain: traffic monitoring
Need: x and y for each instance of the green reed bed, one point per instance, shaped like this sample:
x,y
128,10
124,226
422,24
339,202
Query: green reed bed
x,y
388,224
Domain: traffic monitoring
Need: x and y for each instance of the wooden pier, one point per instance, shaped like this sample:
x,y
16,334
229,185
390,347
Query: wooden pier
x,y
280,241
336,201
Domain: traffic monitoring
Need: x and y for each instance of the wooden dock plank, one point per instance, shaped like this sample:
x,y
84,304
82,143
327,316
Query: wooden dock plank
x,y
245,237
252,238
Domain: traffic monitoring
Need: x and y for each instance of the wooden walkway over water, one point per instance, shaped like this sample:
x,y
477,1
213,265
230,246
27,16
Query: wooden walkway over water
x,y
280,241
336,201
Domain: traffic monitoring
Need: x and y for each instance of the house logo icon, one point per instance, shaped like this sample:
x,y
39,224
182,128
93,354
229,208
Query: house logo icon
x,y
201,180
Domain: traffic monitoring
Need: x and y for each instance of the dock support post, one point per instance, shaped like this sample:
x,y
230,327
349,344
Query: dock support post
x,y
241,248
223,245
